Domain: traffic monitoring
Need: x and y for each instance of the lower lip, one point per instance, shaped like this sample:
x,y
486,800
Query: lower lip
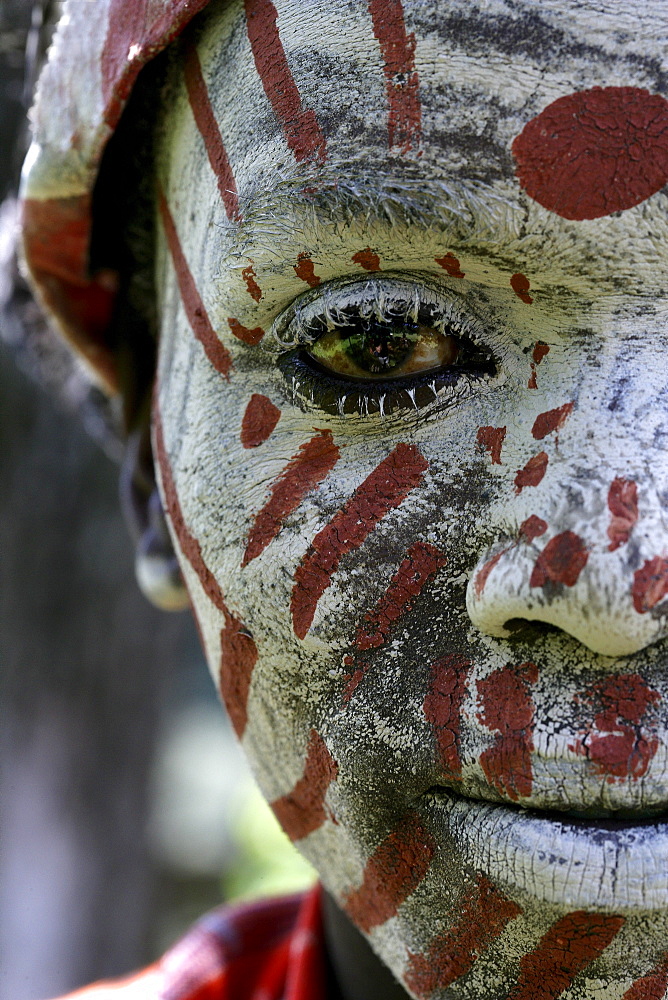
x,y
578,864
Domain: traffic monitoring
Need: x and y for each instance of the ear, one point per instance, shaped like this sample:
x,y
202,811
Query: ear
x,y
156,566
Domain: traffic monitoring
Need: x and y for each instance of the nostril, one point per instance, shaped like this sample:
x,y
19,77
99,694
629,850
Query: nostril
x,y
523,630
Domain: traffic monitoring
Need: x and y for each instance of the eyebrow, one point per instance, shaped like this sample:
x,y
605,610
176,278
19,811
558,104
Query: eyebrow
x,y
468,211
470,216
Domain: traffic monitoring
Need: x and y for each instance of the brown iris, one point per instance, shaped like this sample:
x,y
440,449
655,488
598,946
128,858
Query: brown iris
x,y
380,350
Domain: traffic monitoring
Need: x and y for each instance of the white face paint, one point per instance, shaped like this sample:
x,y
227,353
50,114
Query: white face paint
x,y
368,554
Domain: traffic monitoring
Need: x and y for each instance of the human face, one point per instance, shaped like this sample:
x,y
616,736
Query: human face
x,y
429,559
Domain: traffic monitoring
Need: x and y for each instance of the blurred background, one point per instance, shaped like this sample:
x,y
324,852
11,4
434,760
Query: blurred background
x,y
126,808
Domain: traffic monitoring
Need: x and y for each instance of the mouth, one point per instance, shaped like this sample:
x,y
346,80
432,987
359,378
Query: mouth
x,y
586,862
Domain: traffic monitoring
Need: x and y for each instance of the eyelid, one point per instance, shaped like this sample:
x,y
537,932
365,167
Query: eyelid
x,y
386,297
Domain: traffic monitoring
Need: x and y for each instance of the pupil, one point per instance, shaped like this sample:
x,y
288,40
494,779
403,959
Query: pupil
x,y
381,347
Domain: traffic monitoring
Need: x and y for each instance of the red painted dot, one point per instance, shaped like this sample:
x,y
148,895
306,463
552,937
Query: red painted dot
x,y
245,334
561,561
259,420
595,152
520,284
368,259
450,263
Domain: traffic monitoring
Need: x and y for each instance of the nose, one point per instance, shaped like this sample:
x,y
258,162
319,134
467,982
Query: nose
x,y
593,562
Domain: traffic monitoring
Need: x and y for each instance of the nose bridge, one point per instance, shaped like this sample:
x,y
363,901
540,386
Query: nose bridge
x,y
588,548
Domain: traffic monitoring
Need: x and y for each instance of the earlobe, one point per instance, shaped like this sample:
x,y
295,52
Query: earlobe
x,y
156,566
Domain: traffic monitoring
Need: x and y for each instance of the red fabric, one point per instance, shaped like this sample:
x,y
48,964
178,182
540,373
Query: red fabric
x,y
270,950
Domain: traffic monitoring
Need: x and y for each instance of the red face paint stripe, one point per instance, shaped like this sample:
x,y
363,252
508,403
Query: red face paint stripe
x,y
507,707
200,105
491,439
238,651
561,561
532,473
569,946
300,127
421,562
303,473
391,874
245,334
481,917
238,656
443,705
217,354
650,584
651,986
385,489
259,420
616,745
401,79
302,810
551,420
623,506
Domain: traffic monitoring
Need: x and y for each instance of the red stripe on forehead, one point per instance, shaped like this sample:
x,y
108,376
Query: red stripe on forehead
x,y
401,79
569,946
651,986
481,917
301,475
443,708
217,354
385,489
302,810
421,562
507,707
300,127
205,120
238,652
391,874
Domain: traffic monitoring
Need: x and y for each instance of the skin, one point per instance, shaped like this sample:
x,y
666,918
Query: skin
x,y
428,620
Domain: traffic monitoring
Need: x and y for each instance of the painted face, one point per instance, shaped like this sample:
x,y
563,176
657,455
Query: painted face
x,y
410,425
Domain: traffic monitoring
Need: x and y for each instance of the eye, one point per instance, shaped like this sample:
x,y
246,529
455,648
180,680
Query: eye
x,y
380,346
376,350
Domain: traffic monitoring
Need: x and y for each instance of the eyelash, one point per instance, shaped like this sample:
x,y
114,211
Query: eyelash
x,y
388,299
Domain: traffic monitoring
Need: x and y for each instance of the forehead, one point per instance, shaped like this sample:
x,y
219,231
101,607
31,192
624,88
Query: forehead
x,y
375,114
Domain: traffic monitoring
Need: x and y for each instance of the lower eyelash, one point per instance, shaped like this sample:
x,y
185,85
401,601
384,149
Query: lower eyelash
x,y
313,385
